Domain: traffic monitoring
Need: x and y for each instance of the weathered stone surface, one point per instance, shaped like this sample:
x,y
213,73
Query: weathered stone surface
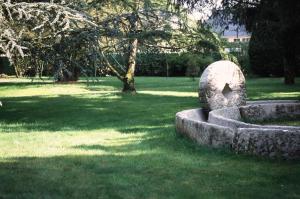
x,y
224,128
268,142
192,123
222,84
270,111
229,117
271,102
222,90
233,117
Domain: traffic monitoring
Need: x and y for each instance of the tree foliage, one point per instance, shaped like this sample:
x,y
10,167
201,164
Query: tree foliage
x,y
280,15
78,37
47,32
265,52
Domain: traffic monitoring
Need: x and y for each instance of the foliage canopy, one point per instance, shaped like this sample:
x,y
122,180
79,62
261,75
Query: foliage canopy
x,y
73,37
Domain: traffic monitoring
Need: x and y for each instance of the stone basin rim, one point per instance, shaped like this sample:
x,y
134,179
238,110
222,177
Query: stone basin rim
x,y
183,114
223,118
263,140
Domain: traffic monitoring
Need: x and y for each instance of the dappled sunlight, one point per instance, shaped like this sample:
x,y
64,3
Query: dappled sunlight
x,y
111,95
54,90
89,112
169,93
14,80
23,127
93,141
276,95
48,144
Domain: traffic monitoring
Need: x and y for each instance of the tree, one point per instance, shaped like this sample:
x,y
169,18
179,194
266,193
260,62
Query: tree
x,y
254,13
265,53
72,37
153,26
282,18
52,33
137,25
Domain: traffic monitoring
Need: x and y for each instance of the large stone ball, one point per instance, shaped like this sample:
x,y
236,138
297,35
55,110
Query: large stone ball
x,y
222,84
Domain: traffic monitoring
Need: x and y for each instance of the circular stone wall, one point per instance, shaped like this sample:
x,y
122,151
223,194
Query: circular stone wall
x,y
225,128
222,84
264,140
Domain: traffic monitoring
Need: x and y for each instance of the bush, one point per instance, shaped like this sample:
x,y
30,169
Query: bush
x,y
5,66
196,64
171,64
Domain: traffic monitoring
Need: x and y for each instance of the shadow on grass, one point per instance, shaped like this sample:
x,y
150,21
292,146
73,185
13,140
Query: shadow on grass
x,y
149,175
80,112
142,83
153,139
156,164
25,84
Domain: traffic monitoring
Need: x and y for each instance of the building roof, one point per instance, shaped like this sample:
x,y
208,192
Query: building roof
x,y
233,30
227,30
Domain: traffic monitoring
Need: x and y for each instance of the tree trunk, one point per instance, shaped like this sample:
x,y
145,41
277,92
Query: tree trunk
x,y
1,65
289,73
16,71
128,81
289,65
289,31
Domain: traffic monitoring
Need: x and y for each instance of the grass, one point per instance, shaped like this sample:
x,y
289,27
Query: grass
x,y
79,141
287,121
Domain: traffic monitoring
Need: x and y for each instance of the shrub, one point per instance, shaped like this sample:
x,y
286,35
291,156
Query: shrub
x,y
5,66
171,64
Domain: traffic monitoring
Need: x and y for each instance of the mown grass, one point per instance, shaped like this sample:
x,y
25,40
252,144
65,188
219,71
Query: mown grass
x,y
80,141
288,121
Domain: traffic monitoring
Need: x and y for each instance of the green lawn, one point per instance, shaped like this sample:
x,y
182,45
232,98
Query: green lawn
x,y
79,141
288,121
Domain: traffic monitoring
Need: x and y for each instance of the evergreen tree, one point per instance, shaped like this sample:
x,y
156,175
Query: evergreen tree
x,y
73,37
253,13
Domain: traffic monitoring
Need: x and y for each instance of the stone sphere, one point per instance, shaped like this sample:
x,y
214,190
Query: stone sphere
x,y
222,84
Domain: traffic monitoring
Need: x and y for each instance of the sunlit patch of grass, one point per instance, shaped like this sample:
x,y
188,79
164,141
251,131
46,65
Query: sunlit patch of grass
x,y
272,88
84,140
48,144
277,95
170,93
54,89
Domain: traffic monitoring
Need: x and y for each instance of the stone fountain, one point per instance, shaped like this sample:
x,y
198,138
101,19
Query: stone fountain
x,y
221,121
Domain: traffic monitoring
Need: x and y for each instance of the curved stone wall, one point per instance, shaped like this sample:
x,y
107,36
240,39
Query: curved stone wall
x,y
280,143
232,116
259,112
193,123
224,127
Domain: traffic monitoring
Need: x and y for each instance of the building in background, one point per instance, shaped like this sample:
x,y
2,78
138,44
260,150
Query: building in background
x,y
236,36
234,33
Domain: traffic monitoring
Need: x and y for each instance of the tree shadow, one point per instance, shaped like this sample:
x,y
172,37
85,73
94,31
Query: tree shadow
x,y
148,175
25,84
81,112
157,164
